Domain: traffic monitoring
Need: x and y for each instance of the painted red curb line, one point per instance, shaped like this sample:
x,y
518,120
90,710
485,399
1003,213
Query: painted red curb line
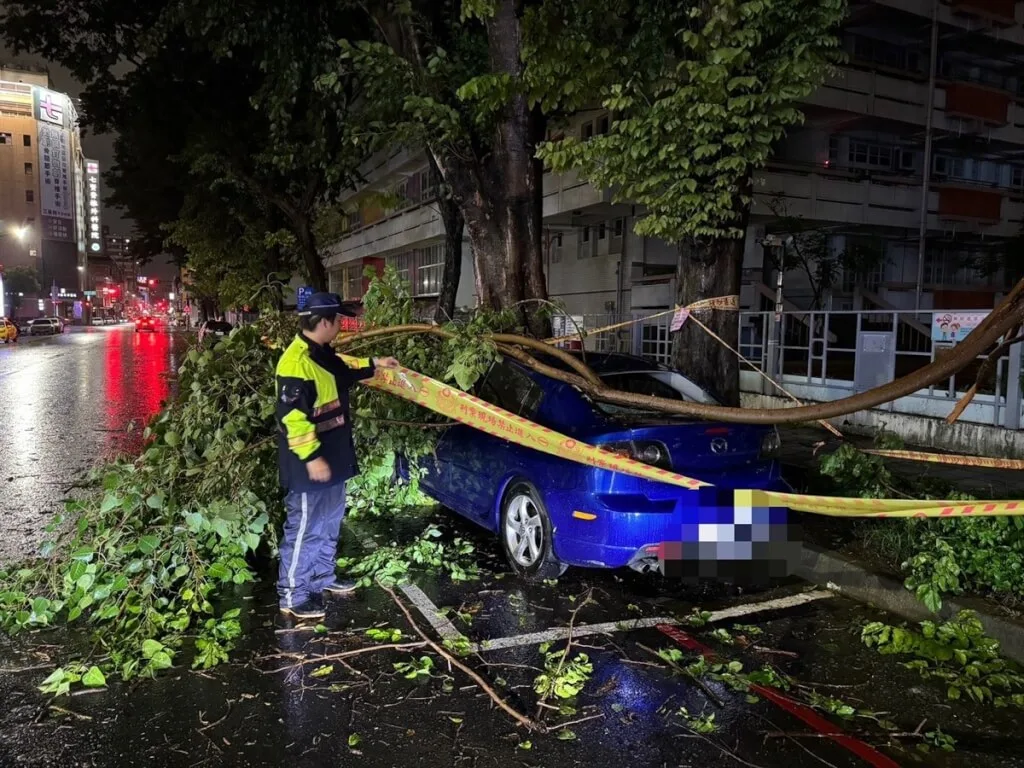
x,y
825,727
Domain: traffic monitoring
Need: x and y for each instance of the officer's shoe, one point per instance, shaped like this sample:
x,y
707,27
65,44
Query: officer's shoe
x,y
310,609
340,587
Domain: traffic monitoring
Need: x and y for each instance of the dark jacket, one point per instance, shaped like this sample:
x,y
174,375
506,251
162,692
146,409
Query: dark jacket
x,y
313,413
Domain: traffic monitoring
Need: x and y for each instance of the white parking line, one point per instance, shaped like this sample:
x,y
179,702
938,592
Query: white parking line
x,y
607,628
441,624
448,631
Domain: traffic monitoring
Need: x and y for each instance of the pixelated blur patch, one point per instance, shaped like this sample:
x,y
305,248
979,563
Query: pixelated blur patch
x,y
732,535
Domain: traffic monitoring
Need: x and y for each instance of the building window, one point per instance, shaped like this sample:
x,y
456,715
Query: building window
x,y
353,220
587,131
586,234
1017,176
28,169
354,282
402,263
30,196
556,248
6,138
833,150
602,124
26,140
428,186
602,230
951,167
870,155
619,227
429,266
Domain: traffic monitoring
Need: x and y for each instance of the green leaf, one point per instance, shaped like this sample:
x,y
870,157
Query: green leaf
x,y
172,439
148,544
156,501
322,671
150,648
110,502
566,735
354,739
94,678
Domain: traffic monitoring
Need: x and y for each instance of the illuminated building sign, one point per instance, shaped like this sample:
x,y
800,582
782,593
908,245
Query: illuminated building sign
x,y
92,198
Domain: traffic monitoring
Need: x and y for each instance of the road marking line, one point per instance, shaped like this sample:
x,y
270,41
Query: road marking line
x,y
609,627
441,624
828,729
448,631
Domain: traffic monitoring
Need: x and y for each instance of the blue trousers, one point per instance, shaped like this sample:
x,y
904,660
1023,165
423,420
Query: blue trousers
x,y
310,544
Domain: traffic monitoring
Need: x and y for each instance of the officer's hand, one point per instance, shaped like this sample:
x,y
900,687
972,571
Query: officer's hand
x,y
319,470
388,363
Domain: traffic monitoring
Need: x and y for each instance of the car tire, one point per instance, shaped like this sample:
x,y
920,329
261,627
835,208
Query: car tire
x,y
524,519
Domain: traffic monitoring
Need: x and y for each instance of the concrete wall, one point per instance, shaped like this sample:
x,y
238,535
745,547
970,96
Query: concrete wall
x,y
924,431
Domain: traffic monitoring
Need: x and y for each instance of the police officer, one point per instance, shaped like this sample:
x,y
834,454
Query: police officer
x,y
315,454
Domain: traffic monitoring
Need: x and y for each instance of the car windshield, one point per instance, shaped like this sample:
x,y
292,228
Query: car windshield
x,y
668,385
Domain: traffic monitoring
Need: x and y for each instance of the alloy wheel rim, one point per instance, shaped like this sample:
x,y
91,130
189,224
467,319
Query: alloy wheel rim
x,y
524,531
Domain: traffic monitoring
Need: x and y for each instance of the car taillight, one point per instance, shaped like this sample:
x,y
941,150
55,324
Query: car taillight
x,y
771,444
648,451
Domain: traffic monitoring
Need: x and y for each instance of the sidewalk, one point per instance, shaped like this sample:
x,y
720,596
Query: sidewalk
x,y
799,453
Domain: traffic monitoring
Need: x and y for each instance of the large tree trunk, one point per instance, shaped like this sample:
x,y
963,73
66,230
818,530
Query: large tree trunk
x,y
501,195
315,271
452,274
710,269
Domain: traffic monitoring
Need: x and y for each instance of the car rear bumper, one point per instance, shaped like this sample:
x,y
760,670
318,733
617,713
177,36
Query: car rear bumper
x,y
598,530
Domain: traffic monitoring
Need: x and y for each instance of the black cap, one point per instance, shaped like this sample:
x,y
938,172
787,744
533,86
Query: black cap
x,y
326,304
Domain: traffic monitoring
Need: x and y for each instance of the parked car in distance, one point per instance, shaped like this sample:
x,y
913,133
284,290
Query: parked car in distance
x,y
146,323
8,331
45,326
551,512
216,329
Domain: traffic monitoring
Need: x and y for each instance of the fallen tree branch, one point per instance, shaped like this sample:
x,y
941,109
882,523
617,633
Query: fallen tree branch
x,y
715,699
523,720
1008,315
302,661
984,372
568,647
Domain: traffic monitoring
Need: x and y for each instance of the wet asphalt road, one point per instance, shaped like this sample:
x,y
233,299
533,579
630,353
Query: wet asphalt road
x,y
66,403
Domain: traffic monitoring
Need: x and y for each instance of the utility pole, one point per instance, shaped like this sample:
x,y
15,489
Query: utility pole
x,y
922,234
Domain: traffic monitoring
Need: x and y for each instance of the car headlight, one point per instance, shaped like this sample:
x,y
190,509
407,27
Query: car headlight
x,y
771,444
648,451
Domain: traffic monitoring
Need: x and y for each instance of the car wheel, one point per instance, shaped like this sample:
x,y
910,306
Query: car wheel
x,y
526,534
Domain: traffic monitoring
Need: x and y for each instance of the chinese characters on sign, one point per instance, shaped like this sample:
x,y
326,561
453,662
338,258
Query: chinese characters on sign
x,y
92,215
952,327
56,203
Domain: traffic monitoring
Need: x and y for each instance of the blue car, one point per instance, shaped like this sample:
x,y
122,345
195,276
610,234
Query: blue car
x,y
551,513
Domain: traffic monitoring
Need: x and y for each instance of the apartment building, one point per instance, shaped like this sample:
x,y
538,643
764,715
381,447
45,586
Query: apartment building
x,y
921,131
43,187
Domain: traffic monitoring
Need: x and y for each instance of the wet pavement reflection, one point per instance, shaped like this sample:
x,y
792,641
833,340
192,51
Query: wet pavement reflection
x,y
66,403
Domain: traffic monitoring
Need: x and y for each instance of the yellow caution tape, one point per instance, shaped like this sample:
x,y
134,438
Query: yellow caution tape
x,y
958,460
725,303
463,407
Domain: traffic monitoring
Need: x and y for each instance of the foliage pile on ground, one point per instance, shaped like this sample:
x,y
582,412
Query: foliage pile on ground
x,y
140,559
938,557
956,653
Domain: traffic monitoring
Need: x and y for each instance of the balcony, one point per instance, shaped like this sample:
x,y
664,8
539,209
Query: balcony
x,y
999,12
970,204
977,103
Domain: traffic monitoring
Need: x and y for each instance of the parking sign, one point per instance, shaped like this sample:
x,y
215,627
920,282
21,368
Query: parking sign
x,y
305,291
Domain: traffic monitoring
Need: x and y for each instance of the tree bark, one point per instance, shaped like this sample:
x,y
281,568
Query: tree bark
x,y
454,226
499,188
315,270
710,269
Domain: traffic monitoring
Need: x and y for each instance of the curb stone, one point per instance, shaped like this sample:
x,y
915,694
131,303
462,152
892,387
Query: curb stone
x,y
851,579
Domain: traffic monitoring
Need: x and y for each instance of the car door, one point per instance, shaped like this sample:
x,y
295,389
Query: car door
x,y
476,461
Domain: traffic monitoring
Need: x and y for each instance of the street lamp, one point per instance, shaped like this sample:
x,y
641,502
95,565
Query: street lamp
x,y
20,232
